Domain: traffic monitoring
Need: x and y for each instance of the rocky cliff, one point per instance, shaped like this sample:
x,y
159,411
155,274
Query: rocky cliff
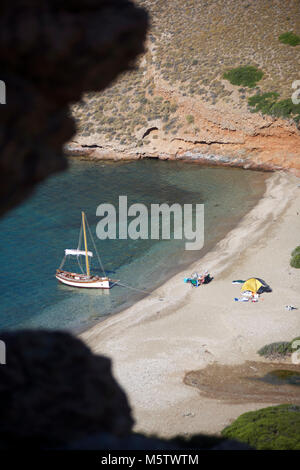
x,y
177,104
223,138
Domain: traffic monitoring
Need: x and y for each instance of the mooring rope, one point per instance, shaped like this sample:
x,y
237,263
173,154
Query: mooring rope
x,y
133,288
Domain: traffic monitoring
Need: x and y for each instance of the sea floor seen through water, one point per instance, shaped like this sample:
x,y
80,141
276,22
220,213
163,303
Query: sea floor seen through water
x,y
35,235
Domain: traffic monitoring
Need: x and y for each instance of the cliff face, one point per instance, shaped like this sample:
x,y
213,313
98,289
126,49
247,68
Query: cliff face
x,y
223,138
176,104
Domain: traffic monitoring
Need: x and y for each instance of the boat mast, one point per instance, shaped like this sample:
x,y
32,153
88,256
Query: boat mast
x,y
85,246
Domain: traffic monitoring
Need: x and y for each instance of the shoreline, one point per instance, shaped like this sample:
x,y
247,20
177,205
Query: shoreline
x,y
144,293
194,156
157,340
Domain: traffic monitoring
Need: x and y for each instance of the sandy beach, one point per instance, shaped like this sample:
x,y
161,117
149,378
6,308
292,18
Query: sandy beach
x,y
178,329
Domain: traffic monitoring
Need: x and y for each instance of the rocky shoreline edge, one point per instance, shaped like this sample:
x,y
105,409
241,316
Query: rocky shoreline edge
x,y
95,153
267,145
194,156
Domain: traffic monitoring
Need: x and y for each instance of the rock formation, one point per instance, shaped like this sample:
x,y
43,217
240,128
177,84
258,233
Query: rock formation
x,y
56,394
54,390
223,138
178,104
51,52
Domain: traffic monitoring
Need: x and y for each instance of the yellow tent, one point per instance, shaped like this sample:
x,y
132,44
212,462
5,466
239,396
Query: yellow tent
x,y
252,284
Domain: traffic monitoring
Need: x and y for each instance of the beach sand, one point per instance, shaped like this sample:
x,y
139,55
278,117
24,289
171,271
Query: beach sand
x,y
177,328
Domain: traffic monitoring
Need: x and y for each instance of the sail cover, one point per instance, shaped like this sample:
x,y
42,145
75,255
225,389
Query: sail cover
x,y
77,252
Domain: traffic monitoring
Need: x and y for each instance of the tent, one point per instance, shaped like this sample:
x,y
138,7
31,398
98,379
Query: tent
x,y
256,285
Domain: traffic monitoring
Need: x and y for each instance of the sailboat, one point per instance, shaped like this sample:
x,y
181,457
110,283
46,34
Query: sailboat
x,y
83,279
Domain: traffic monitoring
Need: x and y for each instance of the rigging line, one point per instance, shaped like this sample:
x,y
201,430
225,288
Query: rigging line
x,y
133,288
81,268
78,248
80,237
63,262
99,259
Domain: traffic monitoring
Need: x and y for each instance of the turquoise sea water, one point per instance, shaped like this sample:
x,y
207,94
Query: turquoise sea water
x,y
34,236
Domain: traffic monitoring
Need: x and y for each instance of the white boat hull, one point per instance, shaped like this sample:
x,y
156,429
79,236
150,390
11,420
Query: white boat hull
x,y
84,282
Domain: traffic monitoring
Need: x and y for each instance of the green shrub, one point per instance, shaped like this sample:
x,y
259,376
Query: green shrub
x,y
291,343
263,102
285,108
245,76
190,119
282,348
289,38
295,261
272,428
296,251
267,103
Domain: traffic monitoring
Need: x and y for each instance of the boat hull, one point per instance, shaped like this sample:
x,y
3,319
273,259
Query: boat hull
x,y
83,281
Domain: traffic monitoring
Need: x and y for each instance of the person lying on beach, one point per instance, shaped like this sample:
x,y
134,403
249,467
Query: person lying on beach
x,y
196,280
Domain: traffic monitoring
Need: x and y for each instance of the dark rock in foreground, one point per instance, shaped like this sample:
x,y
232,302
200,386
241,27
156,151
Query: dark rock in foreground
x,y
51,52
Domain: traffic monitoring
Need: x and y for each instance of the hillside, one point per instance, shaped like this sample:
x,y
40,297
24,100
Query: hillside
x,y
177,104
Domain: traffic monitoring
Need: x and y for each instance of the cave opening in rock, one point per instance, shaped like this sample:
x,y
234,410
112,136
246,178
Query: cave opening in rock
x,y
149,130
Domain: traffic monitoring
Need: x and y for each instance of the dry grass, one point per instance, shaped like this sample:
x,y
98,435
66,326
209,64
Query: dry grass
x,y
191,44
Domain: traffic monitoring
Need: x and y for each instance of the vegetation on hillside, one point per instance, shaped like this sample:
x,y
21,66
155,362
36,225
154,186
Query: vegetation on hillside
x,y
279,349
295,258
295,261
246,76
268,103
190,119
290,38
124,109
190,46
272,428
